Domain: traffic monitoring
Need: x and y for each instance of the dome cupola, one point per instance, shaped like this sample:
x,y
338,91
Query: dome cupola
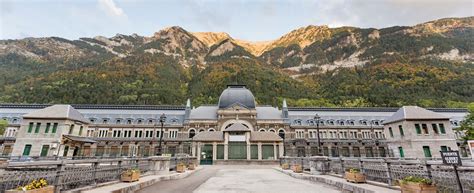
x,y
236,94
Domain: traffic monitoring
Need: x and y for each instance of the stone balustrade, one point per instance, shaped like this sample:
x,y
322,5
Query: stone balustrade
x,y
389,170
70,174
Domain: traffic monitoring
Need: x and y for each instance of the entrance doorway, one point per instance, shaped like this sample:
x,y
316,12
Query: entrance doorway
x,y
237,150
206,155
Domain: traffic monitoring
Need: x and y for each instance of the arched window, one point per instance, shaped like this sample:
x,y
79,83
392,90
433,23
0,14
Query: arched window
x,y
261,130
201,130
281,133
211,130
192,133
272,130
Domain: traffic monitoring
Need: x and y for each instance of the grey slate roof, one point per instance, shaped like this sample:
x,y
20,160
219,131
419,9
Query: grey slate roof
x,y
204,112
237,127
264,136
268,112
414,113
209,136
236,94
58,112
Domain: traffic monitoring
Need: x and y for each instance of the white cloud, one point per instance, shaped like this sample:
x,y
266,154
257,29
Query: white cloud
x,y
111,8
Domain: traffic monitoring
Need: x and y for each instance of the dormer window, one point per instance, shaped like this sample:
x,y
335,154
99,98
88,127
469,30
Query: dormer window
x,y
139,121
129,122
105,121
118,121
297,122
150,121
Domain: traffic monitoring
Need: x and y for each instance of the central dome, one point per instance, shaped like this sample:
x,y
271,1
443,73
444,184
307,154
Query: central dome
x,y
236,94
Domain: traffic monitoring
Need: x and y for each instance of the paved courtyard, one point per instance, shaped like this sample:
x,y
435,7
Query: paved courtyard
x,y
237,179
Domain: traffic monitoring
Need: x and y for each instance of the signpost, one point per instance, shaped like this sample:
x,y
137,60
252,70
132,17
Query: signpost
x,y
453,158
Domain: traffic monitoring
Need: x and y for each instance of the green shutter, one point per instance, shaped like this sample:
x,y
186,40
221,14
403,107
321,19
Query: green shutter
x,y
220,151
253,151
48,125
418,129
401,130
267,152
427,151
55,128
400,150
26,151
444,148
30,128
237,150
44,150
441,128
38,126
435,128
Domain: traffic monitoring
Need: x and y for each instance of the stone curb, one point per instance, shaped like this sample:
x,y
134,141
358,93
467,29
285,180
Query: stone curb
x,y
135,186
344,186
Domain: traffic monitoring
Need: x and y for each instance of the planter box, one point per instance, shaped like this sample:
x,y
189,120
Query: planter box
x,y
130,176
180,168
47,189
191,167
355,177
297,168
411,187
285,166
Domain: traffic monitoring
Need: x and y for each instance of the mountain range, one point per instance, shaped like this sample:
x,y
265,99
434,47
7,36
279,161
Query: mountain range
x,y
430,64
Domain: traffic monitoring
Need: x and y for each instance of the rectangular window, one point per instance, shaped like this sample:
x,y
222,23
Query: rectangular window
x,y
30,128
44,151
401,130
300,134
158,134
55,128
435,128
71,129
427,151
425,128
80,130
400,151
173,133
418,129
38,126
444,148
48,125
26,151
441,128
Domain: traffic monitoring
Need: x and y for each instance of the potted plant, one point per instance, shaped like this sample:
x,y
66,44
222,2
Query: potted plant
x,y
35,186
297,168
191,166
354,175
285,166
180,167
130,175
414,184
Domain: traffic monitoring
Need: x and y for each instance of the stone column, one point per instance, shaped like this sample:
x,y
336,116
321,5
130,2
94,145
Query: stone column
x,y
282,150
214,151
248,151
198,156
193,149
226,152
274,151
259,150
159,165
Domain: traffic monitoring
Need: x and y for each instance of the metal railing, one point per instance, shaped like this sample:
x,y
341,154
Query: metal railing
x,y
67,174
390,170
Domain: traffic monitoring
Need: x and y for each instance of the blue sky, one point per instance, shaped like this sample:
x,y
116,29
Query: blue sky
x,y
255,20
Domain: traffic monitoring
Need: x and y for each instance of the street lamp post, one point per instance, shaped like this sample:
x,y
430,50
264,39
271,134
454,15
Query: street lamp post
x,y
317,118
162,121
